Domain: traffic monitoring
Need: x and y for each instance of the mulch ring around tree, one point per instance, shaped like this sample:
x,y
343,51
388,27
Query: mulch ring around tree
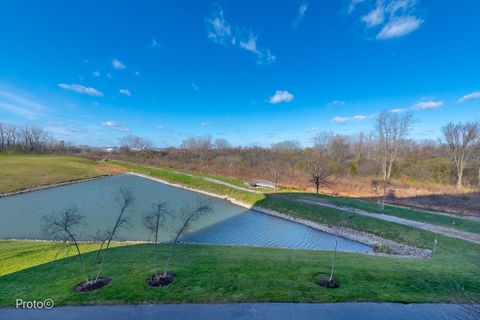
x,y
90,286
325,281
161,280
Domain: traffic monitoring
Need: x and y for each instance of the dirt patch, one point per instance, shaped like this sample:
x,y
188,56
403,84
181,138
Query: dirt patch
x,y
161,280
94,285
328,283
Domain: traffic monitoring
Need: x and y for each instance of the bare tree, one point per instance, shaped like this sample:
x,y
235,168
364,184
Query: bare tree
x,y
62,227
461,139
391,132
135,143
222,144
382,190
126,199
287,145
152,222
187,217
319,174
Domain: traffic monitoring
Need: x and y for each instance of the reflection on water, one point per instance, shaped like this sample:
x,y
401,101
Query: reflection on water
x,y
21,216
258,229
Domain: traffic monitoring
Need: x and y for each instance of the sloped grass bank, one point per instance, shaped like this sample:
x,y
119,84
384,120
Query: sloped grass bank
x,y
243,274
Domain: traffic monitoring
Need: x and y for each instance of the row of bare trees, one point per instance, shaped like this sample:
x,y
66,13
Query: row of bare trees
x,y
387,152
27,138
63,226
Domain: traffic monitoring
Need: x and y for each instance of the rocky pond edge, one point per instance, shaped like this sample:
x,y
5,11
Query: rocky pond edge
x,y
381,246
391,248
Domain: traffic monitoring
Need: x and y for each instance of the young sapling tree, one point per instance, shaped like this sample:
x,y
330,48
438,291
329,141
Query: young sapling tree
x,y
125,199
152,222
187,217
61,227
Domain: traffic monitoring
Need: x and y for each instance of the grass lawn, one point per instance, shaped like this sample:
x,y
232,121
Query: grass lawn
x,y
417,215
238,274
225,273
19,172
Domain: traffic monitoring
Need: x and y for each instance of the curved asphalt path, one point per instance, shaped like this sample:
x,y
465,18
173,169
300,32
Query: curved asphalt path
x,y
244,311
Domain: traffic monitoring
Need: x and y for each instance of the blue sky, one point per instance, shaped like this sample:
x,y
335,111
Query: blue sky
x,y
253,72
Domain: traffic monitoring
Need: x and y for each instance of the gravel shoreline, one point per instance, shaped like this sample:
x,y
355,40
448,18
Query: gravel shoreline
x,y
394,249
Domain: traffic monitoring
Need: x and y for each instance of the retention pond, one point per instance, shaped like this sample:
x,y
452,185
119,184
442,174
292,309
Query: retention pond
x,y
21,216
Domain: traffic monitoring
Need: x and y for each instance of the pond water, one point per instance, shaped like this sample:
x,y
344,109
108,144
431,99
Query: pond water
x,y
21,216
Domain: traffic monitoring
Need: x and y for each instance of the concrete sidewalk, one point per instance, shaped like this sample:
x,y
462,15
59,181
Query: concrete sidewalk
x,y
243,311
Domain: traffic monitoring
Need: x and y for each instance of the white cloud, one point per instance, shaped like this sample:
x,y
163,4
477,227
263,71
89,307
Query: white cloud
x,y
109,123
114,125
300,15
137,73
374,17
154,44
353,4
399,27
341,120
397,110
312,129
251,45
109,75
424,105
471,96
205,124
125,92
221,32
195,87
96,74
281,96
118,65
336,103
393,18
81,89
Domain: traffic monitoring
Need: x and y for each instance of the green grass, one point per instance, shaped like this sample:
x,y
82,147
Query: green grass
x,y
240,274
26,171
417,215
195,182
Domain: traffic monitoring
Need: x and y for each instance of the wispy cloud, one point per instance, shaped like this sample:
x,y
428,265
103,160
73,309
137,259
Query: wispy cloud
x,y
118,65
195,87
17,103
114,125
96,74
399,27
312,129
471,96
425,105
359,117
300,14
125,92
205,123
398,110
375,17
154,44
394,18
81,89
336,103
353,4
281,96
221,32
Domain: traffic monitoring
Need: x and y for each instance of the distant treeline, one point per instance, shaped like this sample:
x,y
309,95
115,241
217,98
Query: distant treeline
x,y
385,153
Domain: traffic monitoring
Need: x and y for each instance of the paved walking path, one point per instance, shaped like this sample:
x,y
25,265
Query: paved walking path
x,y
449,232
244,311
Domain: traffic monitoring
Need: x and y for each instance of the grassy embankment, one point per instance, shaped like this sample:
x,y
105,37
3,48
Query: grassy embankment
x,y
410,214
216,273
